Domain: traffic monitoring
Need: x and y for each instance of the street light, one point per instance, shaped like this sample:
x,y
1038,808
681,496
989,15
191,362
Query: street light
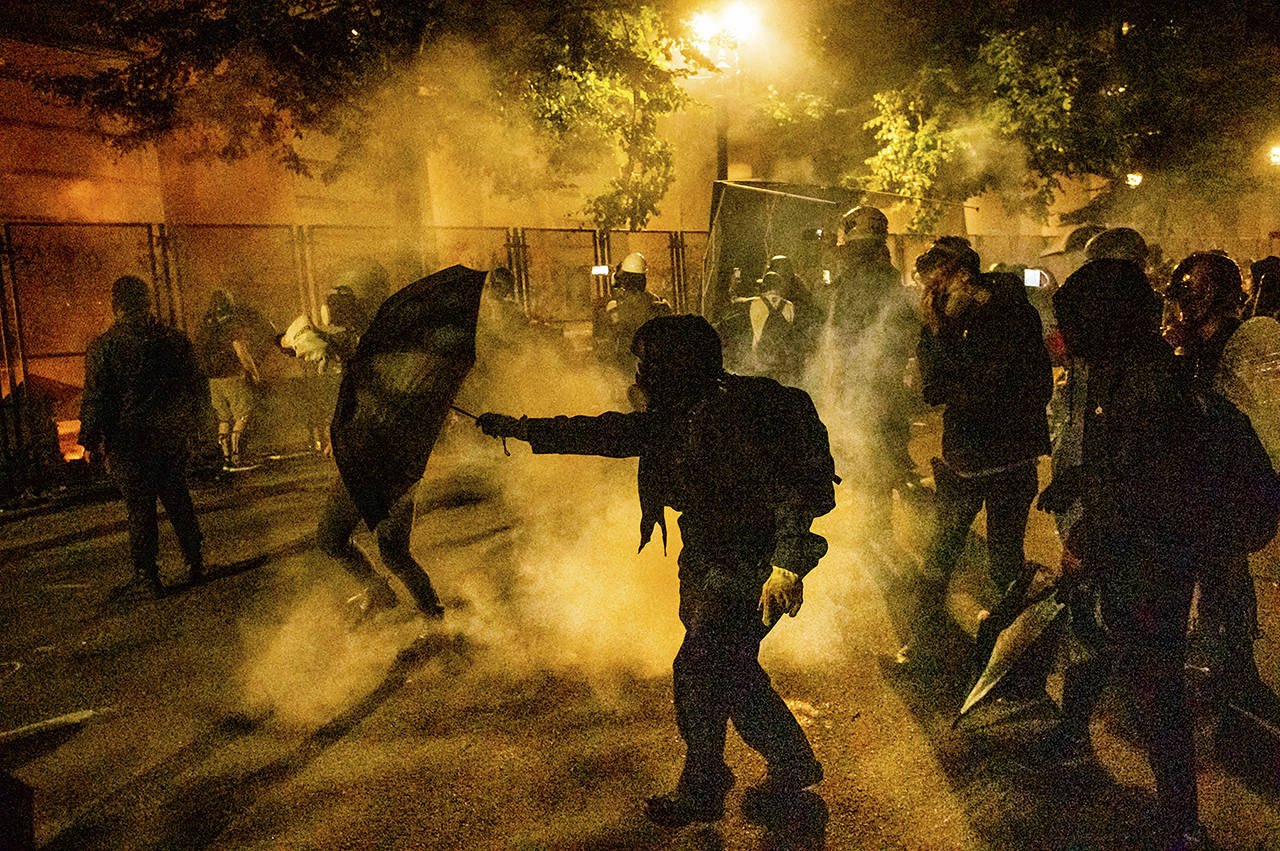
x,y
1134,179
718,34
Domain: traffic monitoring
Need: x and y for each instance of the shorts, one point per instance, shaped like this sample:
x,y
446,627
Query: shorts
x,y
231,397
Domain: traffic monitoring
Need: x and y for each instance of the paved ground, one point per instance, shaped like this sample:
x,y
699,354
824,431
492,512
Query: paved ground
x,y
257,710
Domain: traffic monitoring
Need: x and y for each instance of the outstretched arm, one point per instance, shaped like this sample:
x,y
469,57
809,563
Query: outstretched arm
x,y
611,434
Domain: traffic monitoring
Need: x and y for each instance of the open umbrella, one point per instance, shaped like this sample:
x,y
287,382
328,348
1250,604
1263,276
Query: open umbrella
x,y
399,384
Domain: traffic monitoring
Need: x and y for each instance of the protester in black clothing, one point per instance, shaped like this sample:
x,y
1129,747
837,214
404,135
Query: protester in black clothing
x,y
1208,292
144,399
349,315
872,328
982,355
746,462
1132,539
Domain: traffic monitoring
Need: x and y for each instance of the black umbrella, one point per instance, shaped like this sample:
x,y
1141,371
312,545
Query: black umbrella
x,y
399,384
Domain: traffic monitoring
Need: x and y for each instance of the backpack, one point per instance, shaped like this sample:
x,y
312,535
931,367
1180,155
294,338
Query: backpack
x,y
1230,491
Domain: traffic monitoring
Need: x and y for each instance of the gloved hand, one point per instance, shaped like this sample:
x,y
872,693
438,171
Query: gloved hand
x,y
501,425
783,592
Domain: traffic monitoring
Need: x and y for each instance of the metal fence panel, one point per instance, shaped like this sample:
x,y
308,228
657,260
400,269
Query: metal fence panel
x,y
477,248
62,277
258,265
560,283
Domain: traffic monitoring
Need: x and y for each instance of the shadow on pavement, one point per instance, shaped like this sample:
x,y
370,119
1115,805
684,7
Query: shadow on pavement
x,y
193,814
1010,802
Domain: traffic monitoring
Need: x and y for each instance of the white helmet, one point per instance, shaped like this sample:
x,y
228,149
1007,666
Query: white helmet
x,y
634,263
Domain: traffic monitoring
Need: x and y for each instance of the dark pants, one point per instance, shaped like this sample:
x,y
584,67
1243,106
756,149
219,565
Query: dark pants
x,y
1228,612
718,677
339,519
145,474
1146,648
1007,496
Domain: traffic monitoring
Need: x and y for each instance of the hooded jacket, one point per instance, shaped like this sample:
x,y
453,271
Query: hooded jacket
x,y
748,467
990,368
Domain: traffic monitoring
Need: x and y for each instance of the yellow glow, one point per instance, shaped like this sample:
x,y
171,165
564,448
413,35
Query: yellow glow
x,y
1275,155
736,23
705,26
1134,179
741,22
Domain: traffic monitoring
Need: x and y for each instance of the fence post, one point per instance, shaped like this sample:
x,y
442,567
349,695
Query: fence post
x,y
302,238
15,357
675,248
518,263
600,251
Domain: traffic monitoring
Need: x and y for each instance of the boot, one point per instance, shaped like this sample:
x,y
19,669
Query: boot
x,y
696,798
779,791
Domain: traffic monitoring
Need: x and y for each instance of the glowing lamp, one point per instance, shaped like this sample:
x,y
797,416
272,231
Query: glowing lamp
x,y
599,270
1134,179
1275,155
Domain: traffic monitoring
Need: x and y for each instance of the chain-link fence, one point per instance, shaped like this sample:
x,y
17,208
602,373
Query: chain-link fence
x,y
56,298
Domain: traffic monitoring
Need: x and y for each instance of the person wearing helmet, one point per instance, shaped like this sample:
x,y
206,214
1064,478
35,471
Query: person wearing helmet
x,y
745,461
1211,339
1128,539
620,313
871,328
1070,255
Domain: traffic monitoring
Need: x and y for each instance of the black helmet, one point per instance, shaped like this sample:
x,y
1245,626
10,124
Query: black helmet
x,y
863,222
1221,285
680,358
1118,244
1105,305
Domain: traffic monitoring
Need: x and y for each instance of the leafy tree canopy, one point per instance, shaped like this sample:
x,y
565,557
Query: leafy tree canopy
x,y
1013,96
580,80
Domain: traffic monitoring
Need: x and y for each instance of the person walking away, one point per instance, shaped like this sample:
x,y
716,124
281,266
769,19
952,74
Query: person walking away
x,y
144,398
982,355
773,333
225,338
746,463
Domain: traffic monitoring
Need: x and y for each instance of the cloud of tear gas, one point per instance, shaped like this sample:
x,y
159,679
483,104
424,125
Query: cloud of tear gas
x,y
558,583
313,665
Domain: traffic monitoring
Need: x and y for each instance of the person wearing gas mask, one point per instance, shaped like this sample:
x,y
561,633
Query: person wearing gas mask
x,y
746,462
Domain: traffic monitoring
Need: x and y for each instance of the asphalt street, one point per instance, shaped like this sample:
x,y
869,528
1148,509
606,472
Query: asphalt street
x,y
261,709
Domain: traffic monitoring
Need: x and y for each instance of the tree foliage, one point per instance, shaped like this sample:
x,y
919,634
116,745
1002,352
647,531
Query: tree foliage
x,y
1013,96
579,79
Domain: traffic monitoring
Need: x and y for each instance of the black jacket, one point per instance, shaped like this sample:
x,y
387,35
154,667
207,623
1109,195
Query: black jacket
x,y
748,468
990,368
143,387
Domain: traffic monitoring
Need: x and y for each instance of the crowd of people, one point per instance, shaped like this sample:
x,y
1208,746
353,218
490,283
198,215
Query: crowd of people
x,y
1162,426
